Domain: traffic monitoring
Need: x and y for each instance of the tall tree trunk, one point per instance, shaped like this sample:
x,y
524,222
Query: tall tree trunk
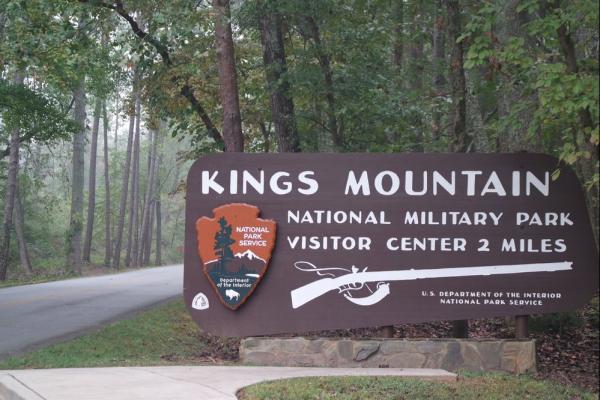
x,y
148,239
460,141
475,123
513,137
228,88
398,54
116,123
149,196
325,65
158,254
282,105
89,230
439,63
417,68
76,214
107,209
116,259
132,246
11,188
20,234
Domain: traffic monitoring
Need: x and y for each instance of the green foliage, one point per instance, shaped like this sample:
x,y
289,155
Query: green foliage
x,y
556,322
532,60
37,116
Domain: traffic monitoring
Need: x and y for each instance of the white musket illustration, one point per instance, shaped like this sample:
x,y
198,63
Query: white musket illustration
x,y
313,290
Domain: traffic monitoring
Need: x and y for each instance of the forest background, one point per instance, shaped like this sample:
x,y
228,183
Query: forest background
x,y
104,104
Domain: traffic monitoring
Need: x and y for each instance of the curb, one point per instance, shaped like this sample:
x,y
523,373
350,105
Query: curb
x,y
12,389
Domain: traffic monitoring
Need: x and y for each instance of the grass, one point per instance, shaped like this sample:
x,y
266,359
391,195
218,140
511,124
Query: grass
x,y
165,335
488,386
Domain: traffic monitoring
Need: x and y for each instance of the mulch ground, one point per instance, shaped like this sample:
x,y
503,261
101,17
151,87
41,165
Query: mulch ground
x,y
567,347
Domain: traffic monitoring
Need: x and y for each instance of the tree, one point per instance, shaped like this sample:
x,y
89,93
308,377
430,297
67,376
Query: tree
x,y
314,33
20,234
223,241
74,255
460,140
107,209
439,61
11,189
87,244
148,211
133,233
116,259
282,105
228,88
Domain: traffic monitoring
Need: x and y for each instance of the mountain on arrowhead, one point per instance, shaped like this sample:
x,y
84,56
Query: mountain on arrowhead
x,y
246,262
249,254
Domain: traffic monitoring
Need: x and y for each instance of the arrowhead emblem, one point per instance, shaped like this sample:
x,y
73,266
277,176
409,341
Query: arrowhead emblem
x,y
235,247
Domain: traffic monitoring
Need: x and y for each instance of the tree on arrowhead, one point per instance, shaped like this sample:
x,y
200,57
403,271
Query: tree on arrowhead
x,y
223,241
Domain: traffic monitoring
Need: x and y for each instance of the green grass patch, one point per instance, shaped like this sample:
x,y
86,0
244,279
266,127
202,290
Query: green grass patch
x,y
489,386
165,335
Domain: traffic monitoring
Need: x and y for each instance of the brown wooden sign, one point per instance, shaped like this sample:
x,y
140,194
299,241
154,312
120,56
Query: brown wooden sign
x,y
355,240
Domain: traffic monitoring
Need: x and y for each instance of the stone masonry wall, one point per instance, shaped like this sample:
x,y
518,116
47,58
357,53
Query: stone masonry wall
x,y
516,356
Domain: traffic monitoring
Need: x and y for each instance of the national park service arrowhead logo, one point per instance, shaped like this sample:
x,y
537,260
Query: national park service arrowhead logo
x,y
235,247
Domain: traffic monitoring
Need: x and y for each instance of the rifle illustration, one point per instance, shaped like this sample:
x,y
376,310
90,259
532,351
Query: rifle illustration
x,y
353,279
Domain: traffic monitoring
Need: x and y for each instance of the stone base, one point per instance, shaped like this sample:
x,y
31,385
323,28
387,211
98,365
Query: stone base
x,y
516,356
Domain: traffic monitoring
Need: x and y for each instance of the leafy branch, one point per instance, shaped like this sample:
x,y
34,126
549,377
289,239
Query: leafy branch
x,y
186,90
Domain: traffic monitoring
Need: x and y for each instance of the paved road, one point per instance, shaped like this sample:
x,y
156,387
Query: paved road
x,y
34,315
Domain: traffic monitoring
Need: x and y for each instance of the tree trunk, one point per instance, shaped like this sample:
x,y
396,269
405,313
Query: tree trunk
x,y
513,137
89,230
228,89
133,243
158,255
148,242
282,105
11,188
475,123
149,197
116,123
398,33
439,63
76,214
157,206
19,231
107,210
460,141
417,68
116,259
325,64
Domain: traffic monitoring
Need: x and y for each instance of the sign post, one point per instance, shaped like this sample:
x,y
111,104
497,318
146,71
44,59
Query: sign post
x,y
301,242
